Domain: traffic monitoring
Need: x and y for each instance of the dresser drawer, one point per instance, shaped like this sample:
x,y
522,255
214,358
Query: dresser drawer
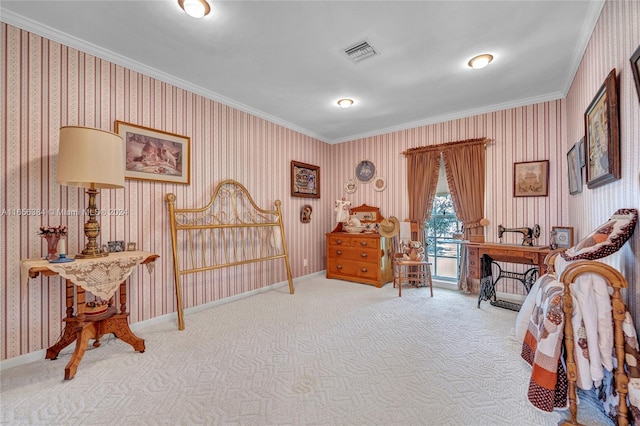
x,y
366,255
350,268
353,240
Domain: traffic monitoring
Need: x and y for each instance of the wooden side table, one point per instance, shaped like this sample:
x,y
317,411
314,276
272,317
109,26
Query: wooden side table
x,y
89,275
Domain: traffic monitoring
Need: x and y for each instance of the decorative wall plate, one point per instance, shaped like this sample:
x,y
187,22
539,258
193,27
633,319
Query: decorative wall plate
x,y
365,171
379,183
350,186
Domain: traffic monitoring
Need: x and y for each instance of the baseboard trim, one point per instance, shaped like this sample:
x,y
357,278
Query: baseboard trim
x,y
172,317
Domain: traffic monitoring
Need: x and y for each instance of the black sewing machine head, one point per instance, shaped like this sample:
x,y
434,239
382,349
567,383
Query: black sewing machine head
x,y
528,234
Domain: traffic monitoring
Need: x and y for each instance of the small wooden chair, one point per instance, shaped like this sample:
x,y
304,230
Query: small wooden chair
x,y
415,272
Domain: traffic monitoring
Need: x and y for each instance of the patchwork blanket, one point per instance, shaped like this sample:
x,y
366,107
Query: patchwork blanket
x,y
542,347
594,350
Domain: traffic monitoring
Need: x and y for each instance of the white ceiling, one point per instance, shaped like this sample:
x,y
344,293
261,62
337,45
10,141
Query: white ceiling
x,y
284,60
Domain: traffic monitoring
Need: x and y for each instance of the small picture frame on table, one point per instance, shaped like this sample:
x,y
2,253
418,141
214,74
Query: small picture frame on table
x,y
564,236
131,246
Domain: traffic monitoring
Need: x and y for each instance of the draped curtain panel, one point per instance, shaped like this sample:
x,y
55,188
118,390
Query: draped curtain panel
x,y
422,178
465,168
464,163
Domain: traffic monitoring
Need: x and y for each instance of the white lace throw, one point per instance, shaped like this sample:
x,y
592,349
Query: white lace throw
x,y
100,276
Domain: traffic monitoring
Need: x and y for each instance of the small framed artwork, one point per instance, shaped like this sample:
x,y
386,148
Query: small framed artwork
x,y
115,246
305,180
350,186
575,170
531,179
581,152
131,246
635,69
564,236
154,155
601,135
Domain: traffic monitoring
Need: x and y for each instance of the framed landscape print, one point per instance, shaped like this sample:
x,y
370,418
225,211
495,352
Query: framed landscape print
x,y
601,135
531,179
575,169
305,180
153,154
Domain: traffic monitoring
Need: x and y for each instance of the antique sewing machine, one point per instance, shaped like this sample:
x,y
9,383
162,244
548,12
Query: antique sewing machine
x,y
528,234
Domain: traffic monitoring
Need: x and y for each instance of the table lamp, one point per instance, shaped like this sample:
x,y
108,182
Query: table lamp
x,y
90,158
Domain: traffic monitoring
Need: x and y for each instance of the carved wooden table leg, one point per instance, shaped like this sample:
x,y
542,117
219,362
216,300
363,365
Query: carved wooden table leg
x,y
85,331
69,334
123,297
119,326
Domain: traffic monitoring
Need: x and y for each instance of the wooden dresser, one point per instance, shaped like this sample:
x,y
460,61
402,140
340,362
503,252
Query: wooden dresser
x,y
362,258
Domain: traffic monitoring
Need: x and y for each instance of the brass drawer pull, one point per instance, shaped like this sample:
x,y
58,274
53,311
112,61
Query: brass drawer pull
x,y
338,252
338,266
364,255
338,241
364,270
363,243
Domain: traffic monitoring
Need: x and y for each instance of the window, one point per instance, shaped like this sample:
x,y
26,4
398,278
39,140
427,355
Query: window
x,y
443,249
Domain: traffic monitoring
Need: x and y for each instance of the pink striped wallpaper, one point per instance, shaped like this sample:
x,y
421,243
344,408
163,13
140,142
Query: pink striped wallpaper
x,y
615,38
46,85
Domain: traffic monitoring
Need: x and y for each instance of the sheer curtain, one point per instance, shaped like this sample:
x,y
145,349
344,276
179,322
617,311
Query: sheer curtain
x,y
464,163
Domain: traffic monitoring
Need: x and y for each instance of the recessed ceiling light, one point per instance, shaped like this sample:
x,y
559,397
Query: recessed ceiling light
x,y
480,61
195,8
345,103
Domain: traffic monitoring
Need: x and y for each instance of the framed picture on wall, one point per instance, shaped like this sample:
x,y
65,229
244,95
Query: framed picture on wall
x,y
575,169
635,69
531,179
305,180
153,154
601,135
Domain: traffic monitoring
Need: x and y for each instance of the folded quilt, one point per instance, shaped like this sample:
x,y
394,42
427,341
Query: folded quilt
x,y
542,347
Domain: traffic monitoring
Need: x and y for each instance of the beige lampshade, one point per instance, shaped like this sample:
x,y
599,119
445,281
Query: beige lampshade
x,y
90,156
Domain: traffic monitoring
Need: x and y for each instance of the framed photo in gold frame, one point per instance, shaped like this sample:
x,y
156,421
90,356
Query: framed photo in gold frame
x,y
601,135
154,155
305,180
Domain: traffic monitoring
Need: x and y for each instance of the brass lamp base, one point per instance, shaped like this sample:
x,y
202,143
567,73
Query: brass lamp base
x,y
91,254
92,229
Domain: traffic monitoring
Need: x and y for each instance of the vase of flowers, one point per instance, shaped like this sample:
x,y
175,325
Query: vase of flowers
x,y
52,234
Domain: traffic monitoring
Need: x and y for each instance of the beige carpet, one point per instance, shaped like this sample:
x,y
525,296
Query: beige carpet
x,y
335,353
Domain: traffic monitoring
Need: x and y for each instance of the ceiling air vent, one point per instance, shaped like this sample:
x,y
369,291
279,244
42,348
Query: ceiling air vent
x,y
360,51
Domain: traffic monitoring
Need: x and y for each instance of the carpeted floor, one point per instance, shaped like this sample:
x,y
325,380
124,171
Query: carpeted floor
x,y
335,353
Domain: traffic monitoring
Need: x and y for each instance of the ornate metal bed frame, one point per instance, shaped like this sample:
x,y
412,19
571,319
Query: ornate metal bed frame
x,y
231,230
